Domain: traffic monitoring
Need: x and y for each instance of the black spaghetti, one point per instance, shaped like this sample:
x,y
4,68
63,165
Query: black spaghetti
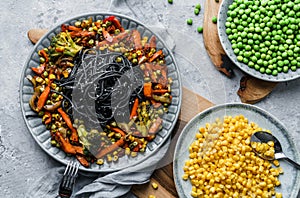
x,y
101,90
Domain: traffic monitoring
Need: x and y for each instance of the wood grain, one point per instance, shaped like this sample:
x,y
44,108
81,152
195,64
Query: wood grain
x,y
253,90
211,38
35,34
192,104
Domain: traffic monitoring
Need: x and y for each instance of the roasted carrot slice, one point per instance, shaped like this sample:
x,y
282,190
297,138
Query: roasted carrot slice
x,y
83,161
155,125
155,104
48,120
148,89
43,98
107,36
163,78
118,25
65,144
160,91
110,148
152,42
73,28
137,39
118,130
134,108
78,149
155,55
66,118
38,70
115,22
45,55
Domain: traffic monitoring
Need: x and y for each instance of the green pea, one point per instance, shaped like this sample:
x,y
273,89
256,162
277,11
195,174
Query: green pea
x,y
240,58
198,6
275,72
293,62
244,34
262,70
236,51
268,71
214,19
170,1
289,31
254,59
189,21
284,54
277,37
251,64
245,60
286,62
196,11
228,31
200,29
256,67
280,63
260,62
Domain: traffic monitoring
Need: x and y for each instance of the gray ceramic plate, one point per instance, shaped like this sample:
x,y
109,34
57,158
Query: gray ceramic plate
x,y
290,180
42,135
281,77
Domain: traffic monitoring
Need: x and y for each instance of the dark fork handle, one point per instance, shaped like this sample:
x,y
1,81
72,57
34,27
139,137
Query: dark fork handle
x,y
65,188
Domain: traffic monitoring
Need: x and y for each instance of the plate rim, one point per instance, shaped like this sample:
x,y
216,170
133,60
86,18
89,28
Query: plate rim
x,y
223,106
281,77
52,30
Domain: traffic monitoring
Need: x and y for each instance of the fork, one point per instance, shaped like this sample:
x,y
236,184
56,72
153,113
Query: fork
x,y
68,180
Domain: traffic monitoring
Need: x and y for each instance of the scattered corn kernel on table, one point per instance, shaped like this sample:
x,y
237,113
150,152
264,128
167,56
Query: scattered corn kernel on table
x,y
22,161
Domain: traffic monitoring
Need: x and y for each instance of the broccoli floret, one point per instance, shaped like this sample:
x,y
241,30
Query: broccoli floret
x,y
64,44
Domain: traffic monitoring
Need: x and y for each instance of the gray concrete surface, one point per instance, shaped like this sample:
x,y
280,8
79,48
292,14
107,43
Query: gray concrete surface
x,y
22,161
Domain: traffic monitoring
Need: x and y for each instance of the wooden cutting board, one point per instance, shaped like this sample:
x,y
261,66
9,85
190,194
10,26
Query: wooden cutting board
x,y
192,104
252,90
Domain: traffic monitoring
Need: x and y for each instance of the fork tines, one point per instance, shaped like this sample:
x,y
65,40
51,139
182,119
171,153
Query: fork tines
x,y
68,180
72,169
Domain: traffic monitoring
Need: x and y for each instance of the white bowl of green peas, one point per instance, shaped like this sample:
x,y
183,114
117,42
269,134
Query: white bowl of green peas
x,y
262,37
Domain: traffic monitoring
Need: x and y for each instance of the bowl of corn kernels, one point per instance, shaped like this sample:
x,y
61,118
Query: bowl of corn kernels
x,y
213,156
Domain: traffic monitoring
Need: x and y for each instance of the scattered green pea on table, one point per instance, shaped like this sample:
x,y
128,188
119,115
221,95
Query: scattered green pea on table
x,y
189,21
198,6
200,29
196,11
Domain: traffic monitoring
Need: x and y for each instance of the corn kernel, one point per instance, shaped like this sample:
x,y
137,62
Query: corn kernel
x,y
100,161
276,162
154,185
127,151
133,154
222,163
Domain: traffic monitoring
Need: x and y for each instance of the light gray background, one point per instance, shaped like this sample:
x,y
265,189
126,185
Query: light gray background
x,y
22,161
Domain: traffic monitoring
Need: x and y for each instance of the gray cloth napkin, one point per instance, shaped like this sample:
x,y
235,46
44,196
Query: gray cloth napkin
x,y
118,183
115,184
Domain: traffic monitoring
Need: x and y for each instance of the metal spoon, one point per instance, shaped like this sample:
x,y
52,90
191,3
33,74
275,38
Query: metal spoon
x,y
264,137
